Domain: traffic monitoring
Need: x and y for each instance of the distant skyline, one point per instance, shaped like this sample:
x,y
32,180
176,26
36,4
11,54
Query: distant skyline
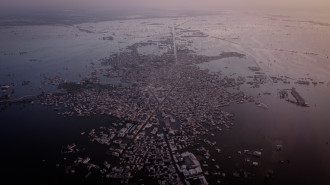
x,y
164,4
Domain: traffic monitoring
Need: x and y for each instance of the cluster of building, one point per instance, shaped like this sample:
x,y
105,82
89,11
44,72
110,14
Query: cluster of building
x,y
167,116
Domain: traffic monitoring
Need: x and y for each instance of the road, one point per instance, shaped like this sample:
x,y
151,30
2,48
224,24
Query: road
x,y
174,45
157,108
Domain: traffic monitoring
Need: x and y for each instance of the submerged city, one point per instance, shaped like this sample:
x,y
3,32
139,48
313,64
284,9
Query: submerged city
x,y
194,97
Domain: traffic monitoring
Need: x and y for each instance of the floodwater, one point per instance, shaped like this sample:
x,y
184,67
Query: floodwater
x,y
33,138
302,131
294,45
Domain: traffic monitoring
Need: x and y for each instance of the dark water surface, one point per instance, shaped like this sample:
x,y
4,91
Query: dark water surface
x,y
32,139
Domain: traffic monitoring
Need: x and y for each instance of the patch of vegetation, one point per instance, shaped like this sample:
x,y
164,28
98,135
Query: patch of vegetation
x,y
231,54
72,86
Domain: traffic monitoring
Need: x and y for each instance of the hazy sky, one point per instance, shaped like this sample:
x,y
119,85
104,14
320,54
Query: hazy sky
x,y
167,4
